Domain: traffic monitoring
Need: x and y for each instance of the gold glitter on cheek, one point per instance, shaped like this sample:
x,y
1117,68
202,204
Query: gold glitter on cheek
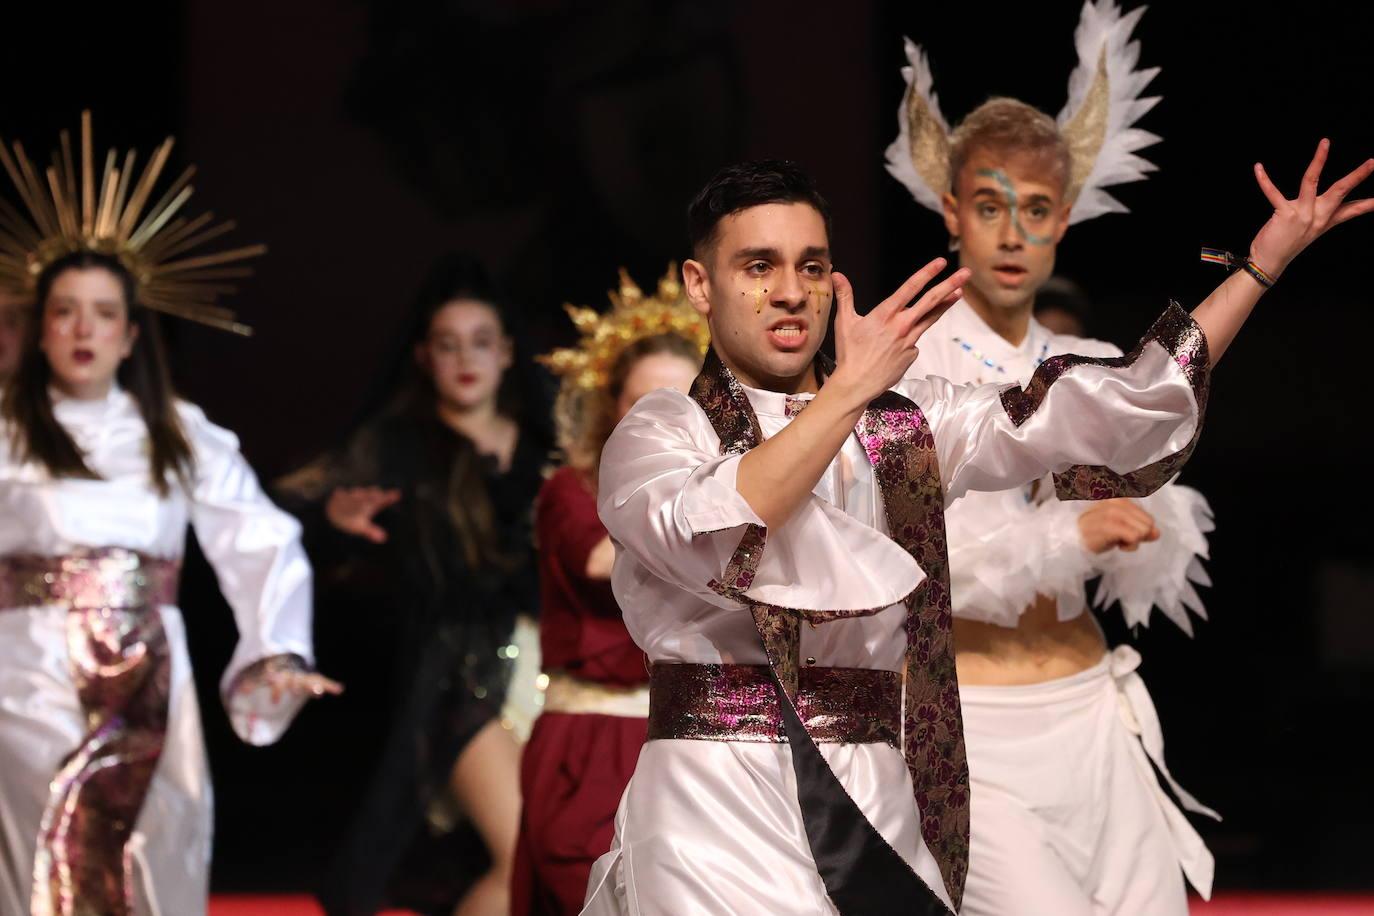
x,y
759,293
821,295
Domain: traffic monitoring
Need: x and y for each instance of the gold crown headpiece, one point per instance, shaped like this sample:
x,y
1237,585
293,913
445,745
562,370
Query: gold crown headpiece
x,y
151,243
632,317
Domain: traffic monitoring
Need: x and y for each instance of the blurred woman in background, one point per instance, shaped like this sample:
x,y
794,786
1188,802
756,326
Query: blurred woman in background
x,y
425,518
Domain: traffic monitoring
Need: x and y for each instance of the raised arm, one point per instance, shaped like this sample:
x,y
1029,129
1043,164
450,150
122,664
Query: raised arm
x,y
1294,225
873,352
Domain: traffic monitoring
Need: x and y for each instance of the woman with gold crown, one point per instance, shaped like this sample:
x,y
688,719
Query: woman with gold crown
x,y
584,746
104,792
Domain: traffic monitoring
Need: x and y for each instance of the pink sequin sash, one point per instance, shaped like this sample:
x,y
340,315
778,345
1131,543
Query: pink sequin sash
x,y
738,703
121,669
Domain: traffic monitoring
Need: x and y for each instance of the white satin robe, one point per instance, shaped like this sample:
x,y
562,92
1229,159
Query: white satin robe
x,y
263,573
714,827
1006,547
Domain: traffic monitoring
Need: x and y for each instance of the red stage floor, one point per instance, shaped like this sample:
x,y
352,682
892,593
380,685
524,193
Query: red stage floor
x,y
1235,904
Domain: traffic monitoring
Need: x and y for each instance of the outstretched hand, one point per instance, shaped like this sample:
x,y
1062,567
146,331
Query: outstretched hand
x,y
352,510
283,676
300,683
1299,222
874,351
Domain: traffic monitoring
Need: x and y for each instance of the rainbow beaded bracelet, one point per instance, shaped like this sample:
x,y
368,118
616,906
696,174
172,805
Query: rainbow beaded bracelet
x,y
1231,262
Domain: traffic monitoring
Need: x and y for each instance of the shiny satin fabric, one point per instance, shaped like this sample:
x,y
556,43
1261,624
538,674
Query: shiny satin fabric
x,y
43,721
739,703
1007,547
710,827
1068,814
667,496
253,546
263,574
862,873
120,662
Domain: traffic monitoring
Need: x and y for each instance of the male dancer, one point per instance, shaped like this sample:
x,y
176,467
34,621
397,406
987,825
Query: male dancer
x,y
1067,814
780,554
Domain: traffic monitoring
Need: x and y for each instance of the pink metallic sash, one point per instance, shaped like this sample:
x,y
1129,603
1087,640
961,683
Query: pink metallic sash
x,y
740,703
121,668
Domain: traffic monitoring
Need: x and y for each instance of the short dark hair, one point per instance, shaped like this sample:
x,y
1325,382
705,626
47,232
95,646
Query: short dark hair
x,y
744,185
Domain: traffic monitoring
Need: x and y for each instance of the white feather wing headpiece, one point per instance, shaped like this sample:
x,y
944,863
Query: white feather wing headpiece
x,y
1098,121
919,157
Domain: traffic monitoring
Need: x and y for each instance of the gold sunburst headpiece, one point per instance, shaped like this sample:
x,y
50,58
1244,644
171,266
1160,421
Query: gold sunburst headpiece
x,y
633,316
69,213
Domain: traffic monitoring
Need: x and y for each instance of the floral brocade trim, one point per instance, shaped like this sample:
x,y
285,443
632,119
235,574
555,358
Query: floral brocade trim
x,y
744,564
739,703
899,443
901,447
742,569
1181,336
719,394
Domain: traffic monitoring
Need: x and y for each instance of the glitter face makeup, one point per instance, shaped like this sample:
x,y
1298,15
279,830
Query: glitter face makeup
x,y
1013,209
820,295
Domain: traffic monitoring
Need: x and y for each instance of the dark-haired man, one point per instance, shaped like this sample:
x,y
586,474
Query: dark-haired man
x,y
780,555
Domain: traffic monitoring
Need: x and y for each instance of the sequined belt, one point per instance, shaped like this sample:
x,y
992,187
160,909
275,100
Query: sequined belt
x,y
740,703
108,577
120,664
568,693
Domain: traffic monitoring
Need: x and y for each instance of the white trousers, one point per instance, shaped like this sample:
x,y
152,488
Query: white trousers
x,y
1068,817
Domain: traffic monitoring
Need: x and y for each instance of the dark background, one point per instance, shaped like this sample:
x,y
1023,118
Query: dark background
x,y
560,140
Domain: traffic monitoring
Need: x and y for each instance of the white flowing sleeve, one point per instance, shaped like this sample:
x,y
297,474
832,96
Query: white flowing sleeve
x,y
255,550
1104,427
1001,556
668,498
1162,573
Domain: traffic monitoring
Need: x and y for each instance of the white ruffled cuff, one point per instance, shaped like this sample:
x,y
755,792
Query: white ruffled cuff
x,y
820,560
998,572
1163,573
256,717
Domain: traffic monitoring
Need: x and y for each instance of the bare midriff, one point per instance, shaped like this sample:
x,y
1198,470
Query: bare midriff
x,y
1040,648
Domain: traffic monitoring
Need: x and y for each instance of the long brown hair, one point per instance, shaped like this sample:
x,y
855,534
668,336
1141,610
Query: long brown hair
x,y
586,418
27,405
469,508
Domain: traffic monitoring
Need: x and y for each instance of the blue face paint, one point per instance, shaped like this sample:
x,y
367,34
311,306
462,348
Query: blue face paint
x,y
1010,191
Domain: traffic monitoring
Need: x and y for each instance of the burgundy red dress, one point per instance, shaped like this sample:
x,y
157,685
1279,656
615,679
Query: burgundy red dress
x,y
584,745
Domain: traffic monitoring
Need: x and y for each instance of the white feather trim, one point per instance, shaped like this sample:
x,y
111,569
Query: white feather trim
x,y
1104,35
899,160
1001,560
1162,573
